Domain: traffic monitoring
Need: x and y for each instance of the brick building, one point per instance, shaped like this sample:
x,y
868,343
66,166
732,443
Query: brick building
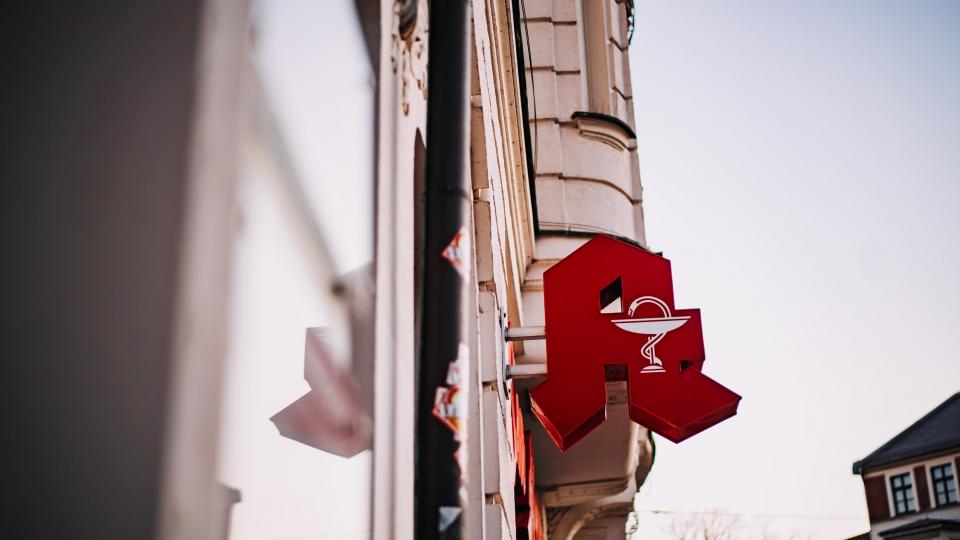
x,y
910,482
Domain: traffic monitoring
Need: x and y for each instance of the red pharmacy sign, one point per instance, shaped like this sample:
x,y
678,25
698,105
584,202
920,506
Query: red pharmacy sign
x,y
593,334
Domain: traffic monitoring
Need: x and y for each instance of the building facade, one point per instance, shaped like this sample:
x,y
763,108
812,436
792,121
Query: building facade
x,y
910,482
552,162
195,397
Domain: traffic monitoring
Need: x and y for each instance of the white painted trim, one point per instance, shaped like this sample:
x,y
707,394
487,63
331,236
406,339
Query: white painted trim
x,y
925,462
383,513
189,490
401,116
582,49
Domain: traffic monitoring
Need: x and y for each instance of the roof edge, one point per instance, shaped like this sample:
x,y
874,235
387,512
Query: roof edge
x,y
922,525
858,465
943,451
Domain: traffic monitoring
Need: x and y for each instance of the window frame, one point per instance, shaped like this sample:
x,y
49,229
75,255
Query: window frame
x,y
910,502
935,498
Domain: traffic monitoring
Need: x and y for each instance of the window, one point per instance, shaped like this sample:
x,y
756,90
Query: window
x,y
944,484
902,488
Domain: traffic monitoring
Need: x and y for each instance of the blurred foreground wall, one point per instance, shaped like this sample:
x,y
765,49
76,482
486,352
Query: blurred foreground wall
x,y
106,110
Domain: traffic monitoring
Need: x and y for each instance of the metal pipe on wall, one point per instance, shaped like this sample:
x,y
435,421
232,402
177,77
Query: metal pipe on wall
x,y
440,503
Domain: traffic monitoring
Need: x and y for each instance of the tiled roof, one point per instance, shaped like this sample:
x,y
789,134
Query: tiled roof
x,y
925,524
938,430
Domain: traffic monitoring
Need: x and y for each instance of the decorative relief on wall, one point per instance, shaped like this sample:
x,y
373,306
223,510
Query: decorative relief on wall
x,y
554,515
619,509
606,129
408,51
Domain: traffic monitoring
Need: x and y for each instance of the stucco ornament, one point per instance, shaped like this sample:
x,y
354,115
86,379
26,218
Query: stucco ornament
x,y
408,53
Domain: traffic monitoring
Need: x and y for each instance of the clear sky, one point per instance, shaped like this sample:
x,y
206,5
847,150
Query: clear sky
x,y
801,168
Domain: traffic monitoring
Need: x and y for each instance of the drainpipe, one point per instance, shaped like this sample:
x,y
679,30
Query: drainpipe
x,y
440,497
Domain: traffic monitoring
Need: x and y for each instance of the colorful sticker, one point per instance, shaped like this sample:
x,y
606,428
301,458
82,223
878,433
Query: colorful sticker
x,y
447,409
448,405
457,252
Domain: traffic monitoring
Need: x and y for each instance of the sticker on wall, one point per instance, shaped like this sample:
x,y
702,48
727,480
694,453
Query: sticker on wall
x,y
446,408
448,402
447,516
458,253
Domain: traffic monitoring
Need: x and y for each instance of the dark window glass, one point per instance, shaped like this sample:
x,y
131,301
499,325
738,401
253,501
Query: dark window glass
x,y
903,499
944,484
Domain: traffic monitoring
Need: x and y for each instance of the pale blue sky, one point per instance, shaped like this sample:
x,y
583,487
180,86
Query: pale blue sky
x,y
801,166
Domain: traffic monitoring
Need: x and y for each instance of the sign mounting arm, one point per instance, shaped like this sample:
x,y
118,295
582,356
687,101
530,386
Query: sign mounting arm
x,y
526,333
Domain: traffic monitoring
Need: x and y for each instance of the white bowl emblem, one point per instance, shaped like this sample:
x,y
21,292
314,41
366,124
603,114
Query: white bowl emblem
x,y
655,327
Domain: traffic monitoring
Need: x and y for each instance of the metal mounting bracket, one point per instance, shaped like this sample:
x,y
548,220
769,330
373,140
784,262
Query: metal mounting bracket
x,y
526,333
524,371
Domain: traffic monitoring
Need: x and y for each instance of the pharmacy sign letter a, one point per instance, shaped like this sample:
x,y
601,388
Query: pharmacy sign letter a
x,y
610,315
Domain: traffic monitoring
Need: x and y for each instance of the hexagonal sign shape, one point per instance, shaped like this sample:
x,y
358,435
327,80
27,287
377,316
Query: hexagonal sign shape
x,y
609,315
